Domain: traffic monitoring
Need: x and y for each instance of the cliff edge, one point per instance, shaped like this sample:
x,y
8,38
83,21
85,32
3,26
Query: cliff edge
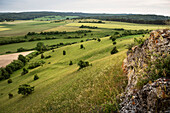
x,y
148,70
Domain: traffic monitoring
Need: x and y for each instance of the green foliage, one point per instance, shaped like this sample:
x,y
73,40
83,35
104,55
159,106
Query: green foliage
x,y
22,58
25,89
9,81
139,41
25,71
41,47
113,38
35,64
4,74
109,107
36,77
42,56
71,63
91,27
9,69
98,39
129,46
49,56
156,69
114,50
64,52
83,64
21,49
16,64
10,95
81,46
114,43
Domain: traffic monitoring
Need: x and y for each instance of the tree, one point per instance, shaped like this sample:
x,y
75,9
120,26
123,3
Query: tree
x,y
114,50
25,89
9,81
4,73
42,56
25,71
98,39
81,46
83,64
10,95
114,43
64,52
36,77
8,69
22,58
71,63
41,47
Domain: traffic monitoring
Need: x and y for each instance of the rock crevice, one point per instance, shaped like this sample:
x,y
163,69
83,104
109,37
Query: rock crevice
x,y
147,69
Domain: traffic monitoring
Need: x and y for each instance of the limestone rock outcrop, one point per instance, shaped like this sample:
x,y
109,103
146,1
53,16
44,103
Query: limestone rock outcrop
x,y
148,63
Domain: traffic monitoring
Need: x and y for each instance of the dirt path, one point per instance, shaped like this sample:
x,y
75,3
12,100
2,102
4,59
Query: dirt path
x,y
7,59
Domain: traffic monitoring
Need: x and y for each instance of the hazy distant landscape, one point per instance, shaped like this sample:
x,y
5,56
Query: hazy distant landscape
x,y
72,62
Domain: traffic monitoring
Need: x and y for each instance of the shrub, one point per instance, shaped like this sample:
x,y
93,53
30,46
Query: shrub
x,y
16,64
35,64
42,56
114,50
22,58
25,89
64,52
8,52
25,71
81,46
21,49
49,56
114,43
9,81
9,69
129,46
10,95
4,74
98,39
81,41
83,64
53,50
113,38
41,47
71,63
36,77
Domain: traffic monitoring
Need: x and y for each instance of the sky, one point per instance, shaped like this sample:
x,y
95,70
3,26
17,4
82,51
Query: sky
x,y
159,7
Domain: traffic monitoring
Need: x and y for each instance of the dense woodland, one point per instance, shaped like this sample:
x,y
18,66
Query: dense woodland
x,y
132,18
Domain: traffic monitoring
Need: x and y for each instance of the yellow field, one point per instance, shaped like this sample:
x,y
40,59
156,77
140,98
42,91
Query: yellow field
x,y
124,25
68,29
3,29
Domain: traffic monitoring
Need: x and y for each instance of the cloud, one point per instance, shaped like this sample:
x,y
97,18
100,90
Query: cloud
x,y
98,6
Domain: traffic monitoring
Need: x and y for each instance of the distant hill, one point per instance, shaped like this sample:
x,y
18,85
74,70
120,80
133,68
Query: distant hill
x,y
132,18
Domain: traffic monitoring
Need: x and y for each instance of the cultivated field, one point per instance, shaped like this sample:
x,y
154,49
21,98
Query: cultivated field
x,y
22,28
7,59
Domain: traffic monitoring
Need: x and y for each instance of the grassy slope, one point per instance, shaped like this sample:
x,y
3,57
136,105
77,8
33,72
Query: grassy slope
x,y
22,28
29,45
61,87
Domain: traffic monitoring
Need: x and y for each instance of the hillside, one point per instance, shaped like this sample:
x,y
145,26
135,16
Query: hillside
x,y
132,18
64,88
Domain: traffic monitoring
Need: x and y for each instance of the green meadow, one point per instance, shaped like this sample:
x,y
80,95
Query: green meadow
x,y
22,28
64,88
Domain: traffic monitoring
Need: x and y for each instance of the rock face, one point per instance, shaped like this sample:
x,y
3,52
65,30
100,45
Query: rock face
x,y
141,65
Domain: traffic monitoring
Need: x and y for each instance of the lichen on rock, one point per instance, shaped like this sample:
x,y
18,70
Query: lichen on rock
x,y
148,68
